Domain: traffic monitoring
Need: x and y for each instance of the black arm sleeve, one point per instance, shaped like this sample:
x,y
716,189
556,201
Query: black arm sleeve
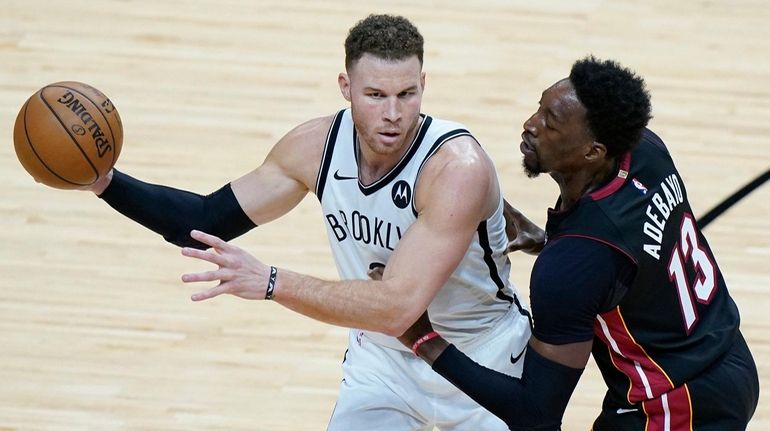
x,y
536,401
174,213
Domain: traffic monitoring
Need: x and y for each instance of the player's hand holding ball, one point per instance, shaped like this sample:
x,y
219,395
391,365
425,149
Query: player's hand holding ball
x,y
68,135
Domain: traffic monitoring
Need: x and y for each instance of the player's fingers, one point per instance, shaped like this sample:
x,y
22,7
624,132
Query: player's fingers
x,y
208,256
210,240
209,293
519,246
512,246
376,273
204,276
525,244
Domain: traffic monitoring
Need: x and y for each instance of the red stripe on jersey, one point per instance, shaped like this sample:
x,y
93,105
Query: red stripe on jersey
x,y
624,165
672,411
647,379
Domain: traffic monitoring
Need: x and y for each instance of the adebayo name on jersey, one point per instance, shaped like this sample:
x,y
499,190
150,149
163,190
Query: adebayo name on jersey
x,y
658,212
365,229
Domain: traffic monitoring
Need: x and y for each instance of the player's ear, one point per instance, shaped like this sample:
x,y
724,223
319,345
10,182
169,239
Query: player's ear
x,y
344,81
596,151
422,80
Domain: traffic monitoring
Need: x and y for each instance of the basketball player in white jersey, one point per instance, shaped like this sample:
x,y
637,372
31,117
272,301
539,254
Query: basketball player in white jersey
x,y
397,188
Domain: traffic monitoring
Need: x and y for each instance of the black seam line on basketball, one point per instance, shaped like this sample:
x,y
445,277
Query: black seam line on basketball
x,y
326,158
75,141
390,176
32,147
484,243
446,137
106,121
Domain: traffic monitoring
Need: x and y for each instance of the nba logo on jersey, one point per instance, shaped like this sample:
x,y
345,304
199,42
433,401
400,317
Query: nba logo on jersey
x,y
639,186
401,194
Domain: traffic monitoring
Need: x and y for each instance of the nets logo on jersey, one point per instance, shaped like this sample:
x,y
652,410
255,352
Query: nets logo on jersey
x,y
401,194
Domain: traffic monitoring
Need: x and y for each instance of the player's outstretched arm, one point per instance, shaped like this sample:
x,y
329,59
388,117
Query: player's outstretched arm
x,y
264,194
172,212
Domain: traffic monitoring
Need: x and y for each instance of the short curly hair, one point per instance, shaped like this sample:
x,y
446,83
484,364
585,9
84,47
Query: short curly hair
x,y
616,100
388,37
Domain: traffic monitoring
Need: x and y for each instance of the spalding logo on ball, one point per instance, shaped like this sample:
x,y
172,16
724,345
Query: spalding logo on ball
x,y
68,135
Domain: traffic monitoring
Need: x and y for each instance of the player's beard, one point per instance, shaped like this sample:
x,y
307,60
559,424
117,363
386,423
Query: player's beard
x,y
404,140
381,149
532,169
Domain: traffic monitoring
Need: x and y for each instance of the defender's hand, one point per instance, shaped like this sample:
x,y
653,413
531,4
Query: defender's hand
x,y
375,271
523,234
419,328
429,350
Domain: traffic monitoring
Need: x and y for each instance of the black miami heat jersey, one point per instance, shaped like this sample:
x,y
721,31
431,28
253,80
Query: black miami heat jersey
x,y
677,317
364,223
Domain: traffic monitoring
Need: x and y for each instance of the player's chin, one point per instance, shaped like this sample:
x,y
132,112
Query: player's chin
x,y
388,146
531,168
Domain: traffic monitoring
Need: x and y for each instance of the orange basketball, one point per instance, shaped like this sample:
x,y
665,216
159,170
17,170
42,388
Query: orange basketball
x,y
68,135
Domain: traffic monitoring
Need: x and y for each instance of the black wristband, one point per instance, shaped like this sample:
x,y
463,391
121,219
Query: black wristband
x,y
271,283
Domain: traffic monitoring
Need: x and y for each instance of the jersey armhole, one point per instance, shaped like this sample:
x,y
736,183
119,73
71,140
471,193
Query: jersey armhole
x,y
326,159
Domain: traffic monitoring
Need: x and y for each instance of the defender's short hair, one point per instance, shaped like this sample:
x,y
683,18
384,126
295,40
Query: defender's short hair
x,y
616,100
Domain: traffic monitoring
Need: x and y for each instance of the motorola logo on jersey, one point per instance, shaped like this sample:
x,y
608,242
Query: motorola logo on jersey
x,y
401,194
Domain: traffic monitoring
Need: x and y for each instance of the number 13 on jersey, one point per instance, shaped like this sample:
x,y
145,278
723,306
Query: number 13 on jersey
x,y
688,251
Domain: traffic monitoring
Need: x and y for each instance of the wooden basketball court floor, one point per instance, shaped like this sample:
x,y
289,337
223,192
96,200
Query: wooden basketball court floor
x,y
97,331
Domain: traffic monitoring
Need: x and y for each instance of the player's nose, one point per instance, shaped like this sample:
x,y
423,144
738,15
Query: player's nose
x,y
392,109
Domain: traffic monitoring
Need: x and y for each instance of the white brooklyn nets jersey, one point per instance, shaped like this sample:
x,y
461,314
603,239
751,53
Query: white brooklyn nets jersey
x,y
365,222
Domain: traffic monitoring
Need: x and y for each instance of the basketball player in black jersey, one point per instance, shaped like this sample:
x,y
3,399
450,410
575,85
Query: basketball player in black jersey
x,y
625,275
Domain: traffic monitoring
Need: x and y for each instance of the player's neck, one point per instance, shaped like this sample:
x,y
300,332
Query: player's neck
x,y
575,185
375,165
